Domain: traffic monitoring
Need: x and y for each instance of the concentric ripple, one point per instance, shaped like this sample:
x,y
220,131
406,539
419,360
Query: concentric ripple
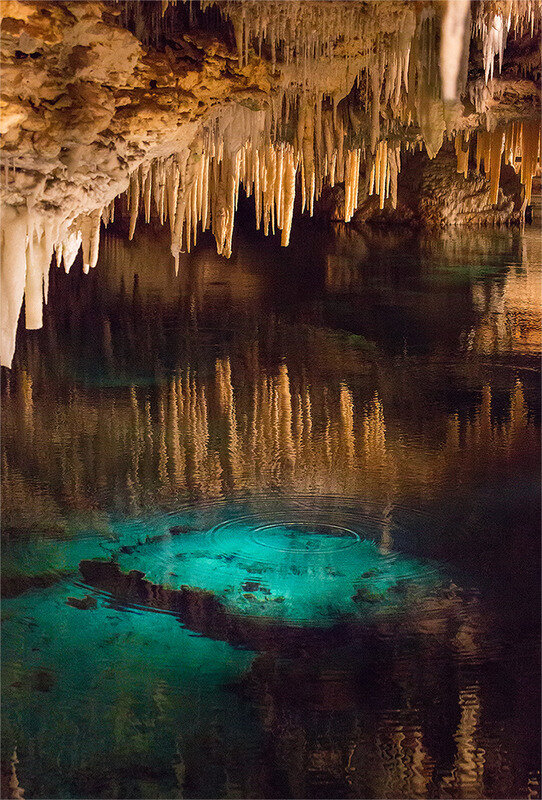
x,y
291,561
305,537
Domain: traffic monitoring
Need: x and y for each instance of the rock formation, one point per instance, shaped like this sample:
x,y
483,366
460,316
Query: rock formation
x,y
283,97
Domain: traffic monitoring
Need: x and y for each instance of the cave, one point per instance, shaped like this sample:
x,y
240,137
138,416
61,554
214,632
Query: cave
x,y
270,341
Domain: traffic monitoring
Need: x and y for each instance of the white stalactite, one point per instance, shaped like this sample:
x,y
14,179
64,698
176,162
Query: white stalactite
x,y
12,274
453,43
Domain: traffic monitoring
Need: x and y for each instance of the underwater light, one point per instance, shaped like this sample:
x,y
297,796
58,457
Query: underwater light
x,y
293,568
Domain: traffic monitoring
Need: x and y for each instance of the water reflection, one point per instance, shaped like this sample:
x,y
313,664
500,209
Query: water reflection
x,y
211,435
153,408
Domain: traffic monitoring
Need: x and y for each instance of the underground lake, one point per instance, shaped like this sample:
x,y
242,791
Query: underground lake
x,y
271,338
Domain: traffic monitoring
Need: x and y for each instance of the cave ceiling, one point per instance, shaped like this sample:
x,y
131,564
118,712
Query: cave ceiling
x,y
178,106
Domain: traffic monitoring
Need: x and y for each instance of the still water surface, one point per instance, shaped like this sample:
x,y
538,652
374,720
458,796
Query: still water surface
x,y
334,450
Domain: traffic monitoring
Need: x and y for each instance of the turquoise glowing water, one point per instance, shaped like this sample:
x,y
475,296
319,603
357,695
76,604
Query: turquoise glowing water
x,y
134,683
349,469
297,572
125,691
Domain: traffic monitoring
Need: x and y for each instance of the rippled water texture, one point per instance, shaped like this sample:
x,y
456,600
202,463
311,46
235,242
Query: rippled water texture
x,y
271,527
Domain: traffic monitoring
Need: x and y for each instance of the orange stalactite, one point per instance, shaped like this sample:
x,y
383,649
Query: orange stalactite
x,y
462,152
518,141
496,148
530,154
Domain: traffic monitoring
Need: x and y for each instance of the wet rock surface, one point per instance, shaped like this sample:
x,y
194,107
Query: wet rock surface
x,y
202,611
82,603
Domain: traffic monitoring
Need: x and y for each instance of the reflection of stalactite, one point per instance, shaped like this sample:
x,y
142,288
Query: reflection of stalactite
x,y
209,439
386,538
28,403
533,786
452,433
518,413
284,408
175,411
347,418
162,448
374,432
15,790
467,776
403,759
482,436
510,315
227,403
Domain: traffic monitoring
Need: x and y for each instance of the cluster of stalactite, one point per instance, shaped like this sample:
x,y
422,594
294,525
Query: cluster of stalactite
x,y
407,58
495,19
379,37
385,39
28,242
199,190
355,82
302,31
518,142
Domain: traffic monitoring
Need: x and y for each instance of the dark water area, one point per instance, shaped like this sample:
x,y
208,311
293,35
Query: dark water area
x,y
271,527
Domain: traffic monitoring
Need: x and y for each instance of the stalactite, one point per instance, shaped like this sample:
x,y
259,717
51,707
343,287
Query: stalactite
x,y
384,172
530,154
462,152
289,197
38,258
395,167
69,248
495,36
351,184
520,143
90,238
493,21
454,44
13,274
133,202
496,148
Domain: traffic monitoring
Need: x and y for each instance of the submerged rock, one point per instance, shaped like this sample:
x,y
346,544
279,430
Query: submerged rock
x,y
175,530
43,680
203,612
83,603
250,623
364,595
250,586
